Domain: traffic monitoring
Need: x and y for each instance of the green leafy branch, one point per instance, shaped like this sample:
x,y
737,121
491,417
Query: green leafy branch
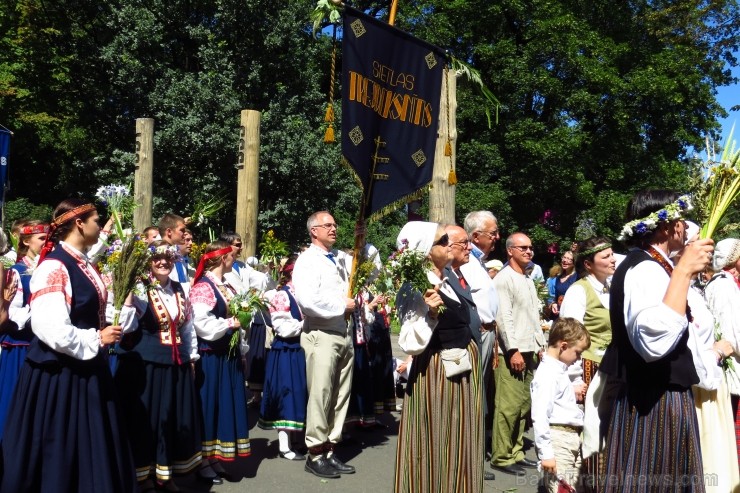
x,y
473,75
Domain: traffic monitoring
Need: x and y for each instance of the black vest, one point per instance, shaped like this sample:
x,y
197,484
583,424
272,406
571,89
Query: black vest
x,y
151,343
674,371
453,326
86,313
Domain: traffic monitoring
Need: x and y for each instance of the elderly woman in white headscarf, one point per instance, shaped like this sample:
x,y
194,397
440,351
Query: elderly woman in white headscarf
x,y
723,298
440,438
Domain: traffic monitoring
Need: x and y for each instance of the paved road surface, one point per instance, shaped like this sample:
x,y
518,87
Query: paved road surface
x,y
372,453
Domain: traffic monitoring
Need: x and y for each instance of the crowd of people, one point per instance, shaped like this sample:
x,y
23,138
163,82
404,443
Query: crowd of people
x,y
624,369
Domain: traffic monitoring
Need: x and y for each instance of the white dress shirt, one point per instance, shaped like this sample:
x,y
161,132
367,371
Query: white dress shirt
x,y
553,403
482,289
723,298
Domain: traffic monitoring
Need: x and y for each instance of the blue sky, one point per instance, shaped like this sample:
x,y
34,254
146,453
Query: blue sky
x,y
728,97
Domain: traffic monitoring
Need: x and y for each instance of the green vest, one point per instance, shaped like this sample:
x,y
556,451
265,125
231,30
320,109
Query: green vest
x,y
596,320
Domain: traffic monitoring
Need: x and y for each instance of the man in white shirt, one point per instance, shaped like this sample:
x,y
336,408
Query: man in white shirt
x,y
482,230
521,338
321,281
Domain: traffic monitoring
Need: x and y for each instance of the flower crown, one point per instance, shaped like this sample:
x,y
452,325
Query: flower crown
x,y
670,212
169,251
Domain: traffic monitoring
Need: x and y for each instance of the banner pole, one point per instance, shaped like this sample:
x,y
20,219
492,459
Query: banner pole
x,y
392,16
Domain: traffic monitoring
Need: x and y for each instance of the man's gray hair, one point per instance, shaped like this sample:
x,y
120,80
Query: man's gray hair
x,y
474,220
312,220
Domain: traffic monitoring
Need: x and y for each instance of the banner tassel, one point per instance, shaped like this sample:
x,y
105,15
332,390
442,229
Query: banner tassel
x,y
329,117
448,148
452,177
329,134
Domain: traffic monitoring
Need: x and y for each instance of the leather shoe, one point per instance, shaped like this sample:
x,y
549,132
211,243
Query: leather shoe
x,y
511,469
488,476
526,463
321,468
291,455
215,480
340,466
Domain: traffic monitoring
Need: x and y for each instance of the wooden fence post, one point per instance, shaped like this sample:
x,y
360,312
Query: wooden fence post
x,y
247,188
144,169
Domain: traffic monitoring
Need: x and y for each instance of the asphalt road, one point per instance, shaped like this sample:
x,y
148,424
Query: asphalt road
x,y
371,452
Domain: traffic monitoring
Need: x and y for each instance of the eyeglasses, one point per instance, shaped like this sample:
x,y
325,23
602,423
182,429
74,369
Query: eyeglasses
x,y
461,243
442,241
491,234
523,248
326,226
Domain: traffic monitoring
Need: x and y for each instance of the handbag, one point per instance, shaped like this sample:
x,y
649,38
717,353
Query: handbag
x,y
455,361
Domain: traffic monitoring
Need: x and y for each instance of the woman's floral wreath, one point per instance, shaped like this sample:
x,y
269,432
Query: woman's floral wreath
x,y
169,251
670,212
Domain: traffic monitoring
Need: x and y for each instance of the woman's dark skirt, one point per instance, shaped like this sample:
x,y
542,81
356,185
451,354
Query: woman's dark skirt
x,y
380,350
257,354
220,380
163,416
361,409
11,362
653,447
284,397
64,431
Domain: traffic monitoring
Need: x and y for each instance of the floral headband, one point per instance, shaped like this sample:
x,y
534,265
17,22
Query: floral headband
x,y
168,251
598,248
35,230
670,212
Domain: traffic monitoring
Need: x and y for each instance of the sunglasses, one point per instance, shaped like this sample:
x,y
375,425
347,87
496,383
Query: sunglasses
x,y
442,241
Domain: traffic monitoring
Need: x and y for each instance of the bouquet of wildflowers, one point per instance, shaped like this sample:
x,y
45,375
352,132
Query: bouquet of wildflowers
x,y
410,266
196,252
726,363
118,200
127,263
273,250
722,185
244,306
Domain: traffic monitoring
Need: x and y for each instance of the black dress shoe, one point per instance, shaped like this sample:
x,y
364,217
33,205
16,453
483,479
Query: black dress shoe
x,y
488,476
321,468
340,466
291,455
216,480
527,463
511,469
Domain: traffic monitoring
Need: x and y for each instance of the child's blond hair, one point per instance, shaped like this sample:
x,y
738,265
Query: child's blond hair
x,y
569,330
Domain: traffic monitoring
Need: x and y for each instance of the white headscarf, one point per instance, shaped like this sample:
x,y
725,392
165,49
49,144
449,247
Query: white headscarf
x,y
419,235
726,253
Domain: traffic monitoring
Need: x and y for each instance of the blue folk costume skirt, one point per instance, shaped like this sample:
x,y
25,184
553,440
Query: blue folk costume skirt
x,y
257,352
361,409
11,362
380,351
220,379
285,395
161,408
63,432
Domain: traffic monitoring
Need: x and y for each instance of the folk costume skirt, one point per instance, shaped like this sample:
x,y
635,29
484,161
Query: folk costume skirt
x,y
220,381
11,362
257,355
653,443
380,351
361,409
64,432
440,438
162,412
284,396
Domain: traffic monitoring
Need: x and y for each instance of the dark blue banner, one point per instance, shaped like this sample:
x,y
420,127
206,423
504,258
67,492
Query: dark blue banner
x,y
391,85
4,156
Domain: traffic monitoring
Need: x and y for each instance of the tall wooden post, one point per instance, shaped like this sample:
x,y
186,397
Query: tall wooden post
x,y
143,173
442,194
247,188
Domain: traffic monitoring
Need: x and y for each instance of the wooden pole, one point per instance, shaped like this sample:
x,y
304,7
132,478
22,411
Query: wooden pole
x,y
247,188
143,173
442,193
392,15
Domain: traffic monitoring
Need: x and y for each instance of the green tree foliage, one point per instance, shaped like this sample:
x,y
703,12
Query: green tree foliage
x,y
598,99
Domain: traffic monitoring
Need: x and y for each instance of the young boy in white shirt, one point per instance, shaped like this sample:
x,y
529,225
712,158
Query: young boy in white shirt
x,y
557,419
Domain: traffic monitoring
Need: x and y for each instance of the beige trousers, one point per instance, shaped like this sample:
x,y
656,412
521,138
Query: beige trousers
x,y
567,447
329,363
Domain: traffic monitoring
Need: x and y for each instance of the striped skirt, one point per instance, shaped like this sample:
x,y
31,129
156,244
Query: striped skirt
x,y
653,448
440,438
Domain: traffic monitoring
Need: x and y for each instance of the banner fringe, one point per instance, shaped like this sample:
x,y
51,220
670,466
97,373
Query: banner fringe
x,y
329,135
384,211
